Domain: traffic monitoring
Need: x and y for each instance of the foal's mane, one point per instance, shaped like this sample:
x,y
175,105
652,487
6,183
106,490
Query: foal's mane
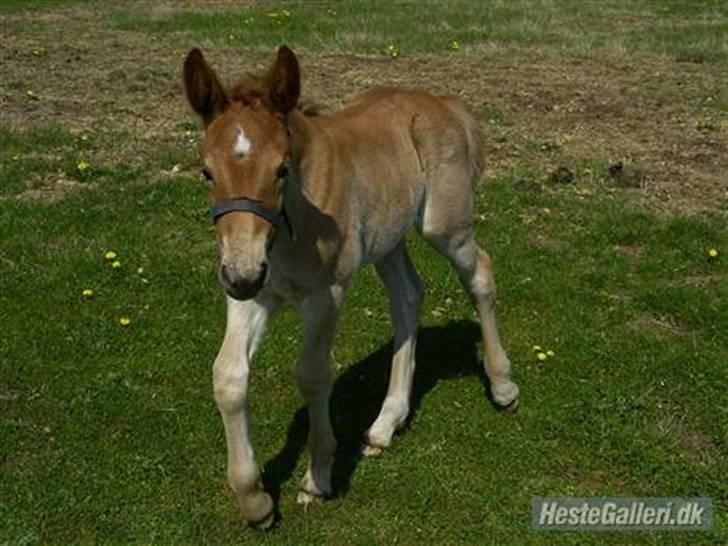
x,y
253,89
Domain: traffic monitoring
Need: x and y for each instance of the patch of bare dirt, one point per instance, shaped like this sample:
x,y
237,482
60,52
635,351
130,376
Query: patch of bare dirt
x,y
640,110
55,187
596,480
632,252
659,326
696,445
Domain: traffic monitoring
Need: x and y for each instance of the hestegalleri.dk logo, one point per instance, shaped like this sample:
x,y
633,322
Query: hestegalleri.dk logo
x,y
621,513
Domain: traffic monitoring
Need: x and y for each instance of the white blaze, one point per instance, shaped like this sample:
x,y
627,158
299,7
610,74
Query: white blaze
x,y
242,144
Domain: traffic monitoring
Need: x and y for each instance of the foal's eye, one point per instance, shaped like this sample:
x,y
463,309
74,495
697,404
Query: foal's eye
x,y
282,171
207,175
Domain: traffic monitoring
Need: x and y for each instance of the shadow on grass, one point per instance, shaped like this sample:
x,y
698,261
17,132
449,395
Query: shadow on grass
x,y
443,352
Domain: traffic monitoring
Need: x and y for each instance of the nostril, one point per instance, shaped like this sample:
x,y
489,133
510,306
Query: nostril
x,y
225,274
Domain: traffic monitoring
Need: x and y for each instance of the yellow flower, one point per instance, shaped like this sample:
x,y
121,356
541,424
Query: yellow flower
x,y
455,45
84,138
110,255
550,353
124,320
541,356
87,293
82,165
116,264
31,95
537,348
712,253
393,51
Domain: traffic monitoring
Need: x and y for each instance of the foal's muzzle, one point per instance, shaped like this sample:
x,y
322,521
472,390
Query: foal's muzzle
x,y
241,288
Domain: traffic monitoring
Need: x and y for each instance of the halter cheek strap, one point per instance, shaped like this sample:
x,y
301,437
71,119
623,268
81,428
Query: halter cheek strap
x,y
243,204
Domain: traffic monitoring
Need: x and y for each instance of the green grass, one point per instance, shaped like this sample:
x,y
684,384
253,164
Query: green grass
x,y
111,435
688,31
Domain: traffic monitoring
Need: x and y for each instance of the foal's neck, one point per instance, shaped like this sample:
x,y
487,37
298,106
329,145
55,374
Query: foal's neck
x,y
308,146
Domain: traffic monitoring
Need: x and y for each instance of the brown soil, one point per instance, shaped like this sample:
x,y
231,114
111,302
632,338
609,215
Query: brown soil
x,y
638,110
696,445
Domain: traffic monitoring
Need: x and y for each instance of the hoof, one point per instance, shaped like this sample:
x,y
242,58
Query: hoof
x,y
511,407
371,451
259,510
264,524
304,498
505,394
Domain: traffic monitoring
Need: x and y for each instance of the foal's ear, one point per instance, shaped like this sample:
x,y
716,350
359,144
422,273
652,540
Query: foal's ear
x,y
285,81
204,91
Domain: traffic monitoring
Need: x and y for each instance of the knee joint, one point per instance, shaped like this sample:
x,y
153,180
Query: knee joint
x,y
313,383
484,286
230,388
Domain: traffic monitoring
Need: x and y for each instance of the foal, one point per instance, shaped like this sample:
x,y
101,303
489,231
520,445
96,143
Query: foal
x,y
300,203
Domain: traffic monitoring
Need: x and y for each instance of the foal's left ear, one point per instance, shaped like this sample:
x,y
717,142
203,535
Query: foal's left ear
x,y
285,81
204,90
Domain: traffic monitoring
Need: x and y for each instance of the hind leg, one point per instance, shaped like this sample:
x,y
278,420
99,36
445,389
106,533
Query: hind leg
x,y
405,295
447,224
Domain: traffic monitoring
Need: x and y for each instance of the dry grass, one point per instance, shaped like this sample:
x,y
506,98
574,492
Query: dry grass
x,y
638,110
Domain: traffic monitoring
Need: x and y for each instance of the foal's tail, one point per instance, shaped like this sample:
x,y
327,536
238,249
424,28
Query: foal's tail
x,y
473,137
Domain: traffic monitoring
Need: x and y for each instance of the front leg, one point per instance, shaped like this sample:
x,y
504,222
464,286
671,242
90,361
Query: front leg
x,y
246,321
320,314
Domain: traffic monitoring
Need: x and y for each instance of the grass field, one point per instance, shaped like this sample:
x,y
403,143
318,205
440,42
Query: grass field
x,y
109,434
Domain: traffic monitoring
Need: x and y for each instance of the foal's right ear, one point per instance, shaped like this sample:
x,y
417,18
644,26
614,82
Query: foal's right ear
x,y
204,91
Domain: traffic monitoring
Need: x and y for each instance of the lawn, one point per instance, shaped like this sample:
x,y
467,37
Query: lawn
x,y
606,130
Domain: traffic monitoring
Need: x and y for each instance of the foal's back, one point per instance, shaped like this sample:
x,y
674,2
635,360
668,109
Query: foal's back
x,y
390,152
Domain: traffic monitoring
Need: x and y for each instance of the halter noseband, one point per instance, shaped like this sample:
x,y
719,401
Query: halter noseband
x,y
244,204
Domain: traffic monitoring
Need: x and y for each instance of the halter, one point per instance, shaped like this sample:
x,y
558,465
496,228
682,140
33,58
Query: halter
x,y
243,204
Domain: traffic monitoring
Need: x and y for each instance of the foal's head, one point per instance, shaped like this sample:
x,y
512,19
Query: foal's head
x,y
245,153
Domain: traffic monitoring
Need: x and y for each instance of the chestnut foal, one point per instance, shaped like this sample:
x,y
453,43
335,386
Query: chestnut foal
x,y
300,202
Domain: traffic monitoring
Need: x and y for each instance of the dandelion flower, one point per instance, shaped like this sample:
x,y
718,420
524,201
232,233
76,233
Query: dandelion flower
x,y
82,165
537,348
455,45
116,264
87,293
124,320
712,253
550,353
541,356
110,255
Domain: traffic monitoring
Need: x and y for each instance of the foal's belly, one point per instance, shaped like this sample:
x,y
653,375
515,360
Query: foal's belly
x,y
383,222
